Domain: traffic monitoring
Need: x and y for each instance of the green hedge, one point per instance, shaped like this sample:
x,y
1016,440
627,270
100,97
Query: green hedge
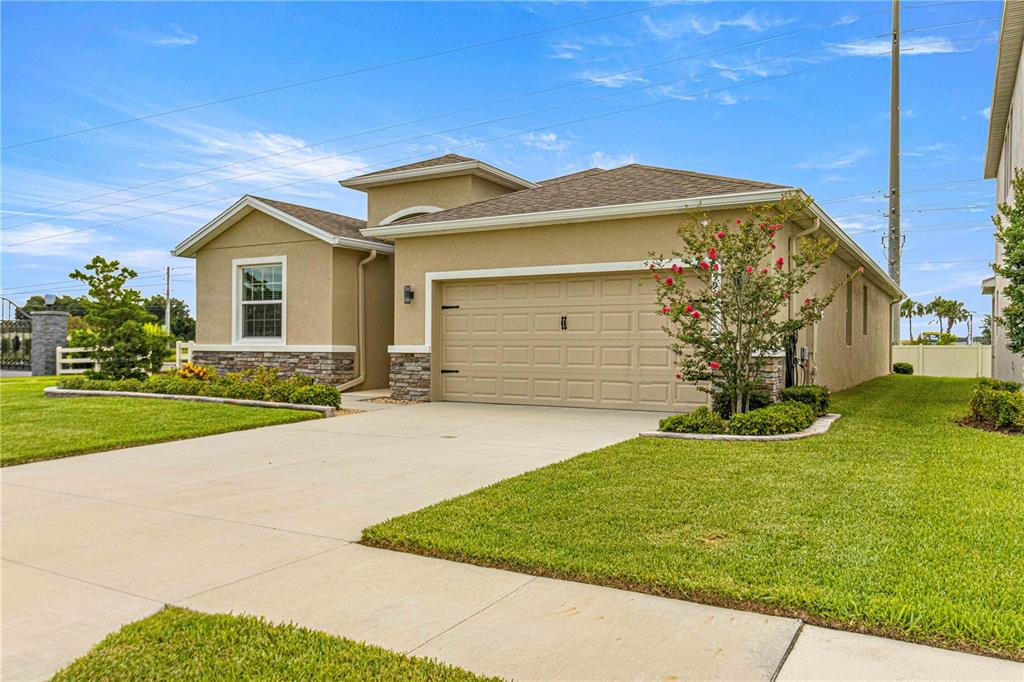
x,y
902,368
701,420
997,385
998,408
785,417
260,384
818,397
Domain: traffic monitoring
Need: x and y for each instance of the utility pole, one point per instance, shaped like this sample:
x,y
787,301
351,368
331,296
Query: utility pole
x,y
894,165
167,304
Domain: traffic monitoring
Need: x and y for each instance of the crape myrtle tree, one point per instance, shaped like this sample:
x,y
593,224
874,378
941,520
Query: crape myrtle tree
x,y
727,320
1010,233
115,314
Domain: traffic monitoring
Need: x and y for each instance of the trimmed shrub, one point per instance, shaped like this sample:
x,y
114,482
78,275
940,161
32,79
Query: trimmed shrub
x,y
818,397
785,417
998,409
257,384
317,394
701,420
902,368
997,385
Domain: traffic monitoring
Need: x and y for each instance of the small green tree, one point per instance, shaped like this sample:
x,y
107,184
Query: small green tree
x,y
115,314
985,336
724,327
908,309
1010,233
183,325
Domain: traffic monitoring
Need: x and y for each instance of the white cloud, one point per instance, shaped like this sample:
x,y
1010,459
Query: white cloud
x,y
613,80
929,266
881,47
841,161
735,73
966,280
934,151
549,142
45,239
726,98
174,36
986,113
604,160
566,51
674,28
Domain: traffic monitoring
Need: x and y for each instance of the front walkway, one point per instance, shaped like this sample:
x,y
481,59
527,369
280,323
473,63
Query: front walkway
x,y
264,522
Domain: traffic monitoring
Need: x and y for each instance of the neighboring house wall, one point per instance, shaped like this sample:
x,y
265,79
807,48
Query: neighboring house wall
x,y
321,305
613,241
1007,365
449,192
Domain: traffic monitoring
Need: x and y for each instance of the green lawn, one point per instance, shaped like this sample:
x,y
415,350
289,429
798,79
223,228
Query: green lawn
x,y
177,644
898,521
33,427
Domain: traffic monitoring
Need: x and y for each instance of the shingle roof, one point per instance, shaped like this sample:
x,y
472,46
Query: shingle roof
x,y
436,161
632,184
571,176
335,223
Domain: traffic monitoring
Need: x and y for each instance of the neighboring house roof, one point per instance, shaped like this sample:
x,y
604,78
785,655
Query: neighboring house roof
x,y
988,285
439,167
1011,39
632,184
334,228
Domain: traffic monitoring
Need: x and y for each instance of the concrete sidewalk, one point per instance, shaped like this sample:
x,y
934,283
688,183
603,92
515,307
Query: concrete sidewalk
x,y
264,521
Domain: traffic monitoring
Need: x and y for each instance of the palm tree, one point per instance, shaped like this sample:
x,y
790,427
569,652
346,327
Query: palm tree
x,y
908,309
938,308
957,312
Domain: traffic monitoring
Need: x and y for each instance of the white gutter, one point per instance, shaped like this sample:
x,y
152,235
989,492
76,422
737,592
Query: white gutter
x,y
576,215
360,324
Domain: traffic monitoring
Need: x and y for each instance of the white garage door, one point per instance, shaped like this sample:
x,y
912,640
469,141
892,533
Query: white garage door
x,y
581,341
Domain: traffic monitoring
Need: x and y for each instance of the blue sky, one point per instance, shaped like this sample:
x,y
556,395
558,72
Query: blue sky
x,y
792,93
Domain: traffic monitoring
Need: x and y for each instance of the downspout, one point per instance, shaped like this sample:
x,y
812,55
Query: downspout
x,y
360,324
811,369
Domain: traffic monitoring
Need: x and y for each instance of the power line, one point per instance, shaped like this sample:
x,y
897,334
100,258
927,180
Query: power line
x,y
615,93
582,81
478,142
844,21
343,74
28,287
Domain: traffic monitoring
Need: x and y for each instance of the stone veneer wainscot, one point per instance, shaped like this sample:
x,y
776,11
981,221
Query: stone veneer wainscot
x,y
326,368
410,376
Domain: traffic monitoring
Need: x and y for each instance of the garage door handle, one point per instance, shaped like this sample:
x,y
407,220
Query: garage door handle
x,y
449,307
449,371
565,323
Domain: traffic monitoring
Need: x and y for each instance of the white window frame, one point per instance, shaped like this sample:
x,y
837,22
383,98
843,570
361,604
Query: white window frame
x,y
236,302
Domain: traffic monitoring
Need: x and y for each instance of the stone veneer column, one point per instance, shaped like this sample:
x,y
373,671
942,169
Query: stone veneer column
x,y
326,368
49,330
410,376
773,375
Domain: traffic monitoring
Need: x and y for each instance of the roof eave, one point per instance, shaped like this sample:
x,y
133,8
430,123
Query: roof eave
x,y
575,215
472,167
224,220
1011,39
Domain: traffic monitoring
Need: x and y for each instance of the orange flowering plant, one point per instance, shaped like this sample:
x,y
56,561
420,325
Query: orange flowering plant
x,y
191,371
725,295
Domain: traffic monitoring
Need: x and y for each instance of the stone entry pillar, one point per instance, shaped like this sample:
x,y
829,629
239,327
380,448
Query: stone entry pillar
x,y
49,330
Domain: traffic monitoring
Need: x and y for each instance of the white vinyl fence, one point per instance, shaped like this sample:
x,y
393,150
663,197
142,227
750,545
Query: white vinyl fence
x,y
79,360
947,361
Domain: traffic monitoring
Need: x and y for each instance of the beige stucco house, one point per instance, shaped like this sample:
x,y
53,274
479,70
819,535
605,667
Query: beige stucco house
x,y
1004,153
488,287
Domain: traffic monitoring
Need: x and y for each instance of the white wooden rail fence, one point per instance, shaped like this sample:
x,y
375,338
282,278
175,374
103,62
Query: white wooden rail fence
x,y
66,364
947,361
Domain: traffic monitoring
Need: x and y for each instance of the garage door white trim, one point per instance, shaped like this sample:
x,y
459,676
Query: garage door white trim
x,y
529,271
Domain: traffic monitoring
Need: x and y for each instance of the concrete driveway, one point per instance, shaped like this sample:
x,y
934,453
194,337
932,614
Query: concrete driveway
x,y
264,521
92,542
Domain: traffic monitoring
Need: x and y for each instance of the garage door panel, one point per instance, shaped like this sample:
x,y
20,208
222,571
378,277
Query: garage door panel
x,y
507,344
